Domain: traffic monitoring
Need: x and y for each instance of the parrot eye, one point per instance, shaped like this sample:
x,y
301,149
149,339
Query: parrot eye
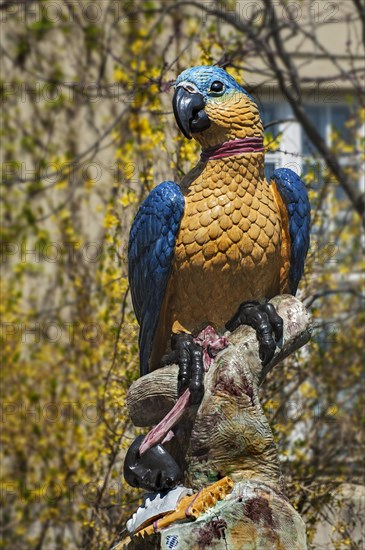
x,y
217,86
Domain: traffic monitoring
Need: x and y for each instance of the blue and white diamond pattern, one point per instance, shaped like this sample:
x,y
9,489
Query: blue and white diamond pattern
x,y
172,541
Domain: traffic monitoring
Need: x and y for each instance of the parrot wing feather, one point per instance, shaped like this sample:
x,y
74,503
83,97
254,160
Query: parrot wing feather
x,y
150,253
295,197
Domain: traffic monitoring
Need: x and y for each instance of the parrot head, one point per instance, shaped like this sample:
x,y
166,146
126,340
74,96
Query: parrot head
x,y
212,107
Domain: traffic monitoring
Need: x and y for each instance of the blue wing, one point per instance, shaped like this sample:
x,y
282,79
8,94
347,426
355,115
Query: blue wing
x,y
150,252
294,194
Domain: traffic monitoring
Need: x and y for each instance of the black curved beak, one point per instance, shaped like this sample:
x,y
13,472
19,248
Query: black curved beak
x,y
189,111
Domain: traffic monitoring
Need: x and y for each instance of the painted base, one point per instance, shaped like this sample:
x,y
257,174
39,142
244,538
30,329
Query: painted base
x,y
253,517
228,435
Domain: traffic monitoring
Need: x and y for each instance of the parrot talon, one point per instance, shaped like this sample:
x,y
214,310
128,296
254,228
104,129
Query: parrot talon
x,y
264,319
189,356
275,320
169,359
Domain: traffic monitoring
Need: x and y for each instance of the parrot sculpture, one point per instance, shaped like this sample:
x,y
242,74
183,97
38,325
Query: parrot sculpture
x,y
214,248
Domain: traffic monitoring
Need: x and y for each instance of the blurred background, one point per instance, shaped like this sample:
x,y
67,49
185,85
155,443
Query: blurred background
x,y
87,131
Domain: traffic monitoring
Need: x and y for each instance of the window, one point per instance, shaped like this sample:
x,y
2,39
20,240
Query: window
x,y
317,116
270,112
270,167
326,118
296,150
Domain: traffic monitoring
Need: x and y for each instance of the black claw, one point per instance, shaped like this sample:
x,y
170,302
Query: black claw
x,y
236,320
169,359
275,320
189,357
264,319
266,350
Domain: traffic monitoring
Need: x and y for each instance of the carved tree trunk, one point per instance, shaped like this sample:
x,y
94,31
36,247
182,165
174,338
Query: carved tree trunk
x,y
228,435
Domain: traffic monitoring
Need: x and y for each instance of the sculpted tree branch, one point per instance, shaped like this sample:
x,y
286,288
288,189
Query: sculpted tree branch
x,y
225,445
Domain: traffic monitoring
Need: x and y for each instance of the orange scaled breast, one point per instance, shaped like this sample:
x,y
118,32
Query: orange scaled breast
x,y
228,250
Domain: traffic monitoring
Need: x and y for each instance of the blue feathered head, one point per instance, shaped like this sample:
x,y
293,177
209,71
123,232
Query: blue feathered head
x,y
211,82
212,107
